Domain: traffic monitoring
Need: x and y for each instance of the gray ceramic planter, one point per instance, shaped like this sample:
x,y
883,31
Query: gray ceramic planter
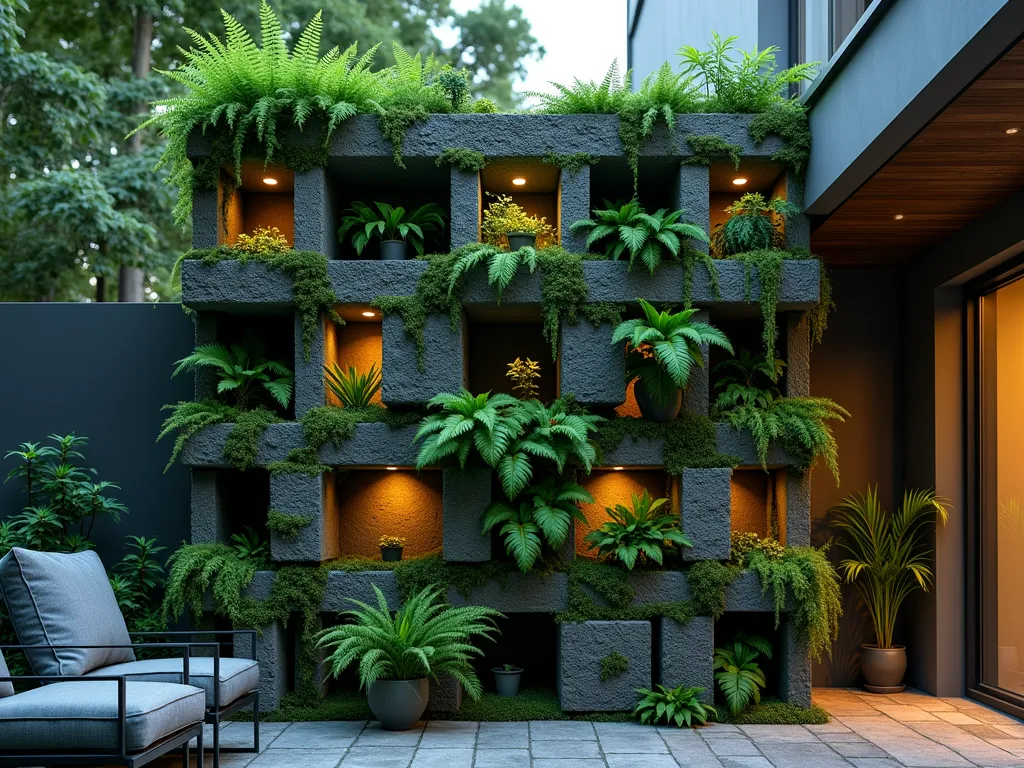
x,y
391,554
652,410
506,682
398,704
393,250
883,668
517,240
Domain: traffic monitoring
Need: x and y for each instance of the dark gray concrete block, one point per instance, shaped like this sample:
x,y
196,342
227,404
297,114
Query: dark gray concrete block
x,y
465,205
205,218
798,353
299,495
590,367
445,694
465,496
693,195
798,227
209,523
360,281
697,395
524,290
659,586
575,206
739,443
685,653
745,594
309,369
798,508
231,286
404,382
315,215
705,500
635,453
795,671
530,593
272,656
580,650
343,587
206,333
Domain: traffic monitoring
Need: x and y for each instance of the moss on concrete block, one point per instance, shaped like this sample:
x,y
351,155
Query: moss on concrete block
x,y
404,382
297,494
580,650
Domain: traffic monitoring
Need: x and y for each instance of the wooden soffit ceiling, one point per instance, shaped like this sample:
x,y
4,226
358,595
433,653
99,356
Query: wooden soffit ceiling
x,y
959,167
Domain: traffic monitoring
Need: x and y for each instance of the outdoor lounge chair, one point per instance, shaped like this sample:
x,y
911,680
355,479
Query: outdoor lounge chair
x,y
65,602
103,721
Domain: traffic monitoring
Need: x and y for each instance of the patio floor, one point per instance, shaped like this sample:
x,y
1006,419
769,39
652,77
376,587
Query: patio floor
x,y
908,729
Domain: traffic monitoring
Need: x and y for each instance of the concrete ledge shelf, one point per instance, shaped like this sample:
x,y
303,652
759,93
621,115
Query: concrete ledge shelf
x,y
731,442
745,595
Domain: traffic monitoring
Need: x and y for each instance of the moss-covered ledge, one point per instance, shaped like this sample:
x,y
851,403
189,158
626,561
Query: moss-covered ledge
x,y
648,452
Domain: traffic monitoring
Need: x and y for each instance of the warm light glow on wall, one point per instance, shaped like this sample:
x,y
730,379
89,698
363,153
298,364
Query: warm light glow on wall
x,y
369,314
519,181
739,181
270,181
610,487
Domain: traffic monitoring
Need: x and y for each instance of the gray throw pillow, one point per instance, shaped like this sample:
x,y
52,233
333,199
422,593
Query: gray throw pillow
x,y
6,688
63,599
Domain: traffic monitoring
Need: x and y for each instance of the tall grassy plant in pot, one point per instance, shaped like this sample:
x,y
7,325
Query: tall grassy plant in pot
x,y
664,348
889,558
397,655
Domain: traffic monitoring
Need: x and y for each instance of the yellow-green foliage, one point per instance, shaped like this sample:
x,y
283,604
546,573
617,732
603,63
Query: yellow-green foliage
x,y
263,240
502,216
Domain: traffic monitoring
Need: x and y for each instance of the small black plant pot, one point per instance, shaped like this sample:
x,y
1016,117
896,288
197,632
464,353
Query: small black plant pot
x,y
883,668
651,409
506,682
517,240
390,554
398,704
393,250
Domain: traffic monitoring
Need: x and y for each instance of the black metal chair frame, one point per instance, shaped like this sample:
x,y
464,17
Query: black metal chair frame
x,y
119,754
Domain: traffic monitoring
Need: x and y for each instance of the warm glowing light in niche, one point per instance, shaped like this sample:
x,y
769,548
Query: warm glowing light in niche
x,y
618,469
270,181
369,314
519,181
739,181
1012,131
391,469
898,217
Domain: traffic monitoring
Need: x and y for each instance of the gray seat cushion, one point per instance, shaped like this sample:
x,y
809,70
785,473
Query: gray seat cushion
x,y
6,689
237,676
83,715
63,599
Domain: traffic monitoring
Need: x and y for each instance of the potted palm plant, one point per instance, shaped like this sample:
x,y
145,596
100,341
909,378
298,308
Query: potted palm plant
x,y
888,560
397,655
396,227
664,348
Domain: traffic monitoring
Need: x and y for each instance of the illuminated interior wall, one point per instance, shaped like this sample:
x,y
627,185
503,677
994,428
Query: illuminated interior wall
x,y
370,503
265,209
610,487
231,214
540,204
355,344
629,406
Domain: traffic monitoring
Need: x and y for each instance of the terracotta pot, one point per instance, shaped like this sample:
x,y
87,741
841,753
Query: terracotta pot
x,y
391,554
393,250
506,682
651,409
883,668
398,704
517,240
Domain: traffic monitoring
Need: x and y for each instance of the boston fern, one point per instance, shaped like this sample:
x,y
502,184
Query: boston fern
x,y
640,533
544,513
502,265
740,676
389,223
673,706
424,638
753,225
665,347
747,380
243,371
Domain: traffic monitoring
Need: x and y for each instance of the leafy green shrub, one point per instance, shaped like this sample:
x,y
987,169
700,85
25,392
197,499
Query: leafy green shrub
x,y
613,665
262,241
220,569
742,543
665,347
502,216
673,706
285,524
502,265
746,380
389,223
454,83
424,638
484,106
353,389
249,546
640,533
753,225
740,677
244,371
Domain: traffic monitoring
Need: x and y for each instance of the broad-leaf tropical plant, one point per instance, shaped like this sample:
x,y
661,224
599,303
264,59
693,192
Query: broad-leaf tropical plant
x,y
389,223
740,676
665,347
674,706
747,380
353,389
753,225
644,532
544,513
242,371
424,638
889,556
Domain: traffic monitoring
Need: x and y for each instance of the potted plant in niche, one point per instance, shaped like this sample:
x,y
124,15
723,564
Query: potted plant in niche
x,y
396,655
506,679
888,560
753,225
391,548
396,228
506,224
664,348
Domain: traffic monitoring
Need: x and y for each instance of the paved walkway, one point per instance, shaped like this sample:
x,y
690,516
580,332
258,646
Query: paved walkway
x,y
866,731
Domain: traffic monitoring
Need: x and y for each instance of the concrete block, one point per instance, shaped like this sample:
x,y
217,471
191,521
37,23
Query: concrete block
x,y
272,656
798,509
209,523
529,593
321,673
739,443
230,286
465,206
798,354
590,367
316,217
635,453
705,501
795,667
465,496
404,382
693,195
685,653
445,694
297,494
205,217
342,587
360,281
574,205
659,586
798,226
580,650
697,395
309,370
746,595
524,290
206,333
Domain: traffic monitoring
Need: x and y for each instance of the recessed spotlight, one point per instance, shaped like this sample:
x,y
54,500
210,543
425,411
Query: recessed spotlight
x,y
618,469
369,314
898,217
519,181
739,181
270,181
1012,131
391,469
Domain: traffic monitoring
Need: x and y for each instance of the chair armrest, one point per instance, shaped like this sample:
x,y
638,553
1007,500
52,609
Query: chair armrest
x,y
250,633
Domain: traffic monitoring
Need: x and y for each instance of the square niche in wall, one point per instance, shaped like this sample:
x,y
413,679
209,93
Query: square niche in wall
x,y
759,502
243,499
358,344
362,505
615,486
274,333
372,180
612,180
533,185
266,198
758,175
493,341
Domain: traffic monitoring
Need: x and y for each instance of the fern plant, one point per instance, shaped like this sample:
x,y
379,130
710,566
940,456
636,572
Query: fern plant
x,y
638,534
188,418
753,225
665,347
740,676
424,638
248,545
502,265
587,98
673,706
353,389
196,570
544,514
389,223
243,371
747,380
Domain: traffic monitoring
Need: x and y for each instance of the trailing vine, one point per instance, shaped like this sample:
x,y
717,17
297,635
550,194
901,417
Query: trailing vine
x,y
189,417
573,163
311,283
690,258
710,149
243,441
285,524
688,441
563,291
466,160
786,119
